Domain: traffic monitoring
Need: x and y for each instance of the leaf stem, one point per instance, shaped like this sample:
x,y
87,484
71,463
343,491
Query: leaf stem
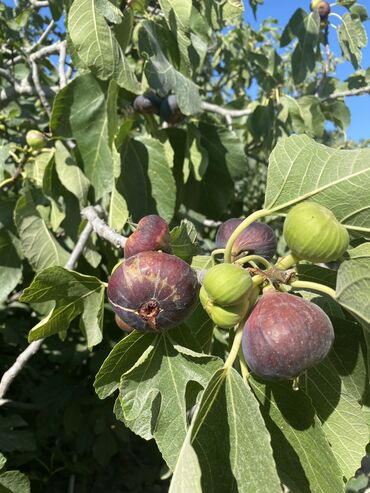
x,y
217,251
243,365
315,286
256,258
235,347
247,221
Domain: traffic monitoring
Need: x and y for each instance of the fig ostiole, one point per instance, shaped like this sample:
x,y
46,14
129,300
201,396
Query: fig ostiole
x,y
227,284
224,317
153,291
313,233
257,239
285,335
152,233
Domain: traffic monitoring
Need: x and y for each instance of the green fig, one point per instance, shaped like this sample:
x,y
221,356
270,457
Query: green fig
x,y
227,284
36,139
313,233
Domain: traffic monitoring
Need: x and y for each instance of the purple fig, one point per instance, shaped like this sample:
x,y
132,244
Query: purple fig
x,y
152,233
153,291
256,239
147,104
285,335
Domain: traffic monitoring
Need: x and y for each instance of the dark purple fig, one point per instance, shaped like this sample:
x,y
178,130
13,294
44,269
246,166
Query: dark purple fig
x,y
122,325
256,239
147,104
152,233
170,111
323,8
153,291
285,335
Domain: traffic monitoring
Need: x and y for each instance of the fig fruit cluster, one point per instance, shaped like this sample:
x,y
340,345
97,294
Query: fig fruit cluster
x,y
151,290
257,239
313,233
285,335
226,294
151,104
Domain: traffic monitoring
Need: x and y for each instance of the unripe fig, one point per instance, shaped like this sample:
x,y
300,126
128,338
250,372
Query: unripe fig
x,y
256,239
36,139
170,111
323,8
153,291
121,324
313,233
147,104
152,233
225,317
285,335
227,284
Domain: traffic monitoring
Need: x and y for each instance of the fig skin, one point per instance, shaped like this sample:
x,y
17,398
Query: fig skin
x,y
35,139
152,233
257,239
147,104
153,291
227,284
313,233
121,324
170,111
285,335
323,8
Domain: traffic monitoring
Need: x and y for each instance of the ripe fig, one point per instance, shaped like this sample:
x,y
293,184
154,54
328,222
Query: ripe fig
x,y
225,317
147,104
256,239
323,8
227,284
313,233
35,139
121,324
170,111
152,234
153,291
285,335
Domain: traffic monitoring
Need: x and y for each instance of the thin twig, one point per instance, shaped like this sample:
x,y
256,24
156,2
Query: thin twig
x,y
39,3
39,89
214,108
49,27
32,349
351,92
61,65
101,228
47,50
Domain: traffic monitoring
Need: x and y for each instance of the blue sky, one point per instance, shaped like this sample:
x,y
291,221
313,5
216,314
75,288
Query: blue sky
x,y
282,10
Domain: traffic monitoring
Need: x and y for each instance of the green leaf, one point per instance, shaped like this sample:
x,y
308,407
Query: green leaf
x,y
306,115
121,359
152,394
353,288
39,245
300,169
351,39
184,240
97,46
81,110
73,294
304,459
3,460
162,76
35,169
219,14
242,460
10,265
14,482
197,156
70,175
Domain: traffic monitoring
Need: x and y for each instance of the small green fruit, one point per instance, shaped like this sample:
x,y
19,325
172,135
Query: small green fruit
x,y
224,317
227,284
36,139
313,233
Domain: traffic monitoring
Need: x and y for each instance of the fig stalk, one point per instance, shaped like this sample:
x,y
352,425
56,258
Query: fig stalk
x,y
234,235
256,258
315,286
234,351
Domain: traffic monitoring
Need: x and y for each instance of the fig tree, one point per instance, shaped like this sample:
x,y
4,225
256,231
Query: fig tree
x,y
147,104
152,233
153,291
170,111
257,239
285,335
35,139
313,233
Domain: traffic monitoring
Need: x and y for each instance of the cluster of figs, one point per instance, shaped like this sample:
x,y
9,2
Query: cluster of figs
x,y
150,103
283,334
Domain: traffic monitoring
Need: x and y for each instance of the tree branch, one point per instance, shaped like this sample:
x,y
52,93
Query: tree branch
x,y
39,89
214,108
39,3
61,65
101,228
350,92
32,349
